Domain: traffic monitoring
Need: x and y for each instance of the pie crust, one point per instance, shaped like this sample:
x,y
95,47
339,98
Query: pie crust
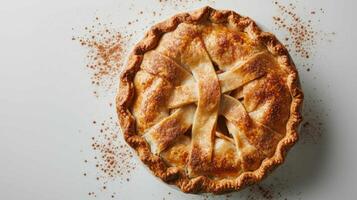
x,y
209,101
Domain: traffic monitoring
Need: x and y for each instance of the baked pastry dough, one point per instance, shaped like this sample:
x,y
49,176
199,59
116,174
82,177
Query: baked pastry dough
x,y
209,101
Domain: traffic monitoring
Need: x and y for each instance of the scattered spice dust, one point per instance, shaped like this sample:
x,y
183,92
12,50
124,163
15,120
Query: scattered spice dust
x,y
312,127
259,192
113,158
301,36
105,54
92,194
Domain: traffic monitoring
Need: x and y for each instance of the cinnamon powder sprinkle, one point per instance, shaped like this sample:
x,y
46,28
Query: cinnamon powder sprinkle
x,y
115,159
263,192
112,158
301,36
105,54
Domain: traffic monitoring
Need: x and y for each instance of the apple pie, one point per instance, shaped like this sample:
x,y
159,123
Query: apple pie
x,y
209,101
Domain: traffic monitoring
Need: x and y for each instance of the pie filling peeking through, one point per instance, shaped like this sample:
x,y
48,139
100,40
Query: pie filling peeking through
x,y
209,101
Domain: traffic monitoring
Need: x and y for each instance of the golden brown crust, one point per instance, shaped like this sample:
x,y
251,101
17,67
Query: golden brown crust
x,y
172,174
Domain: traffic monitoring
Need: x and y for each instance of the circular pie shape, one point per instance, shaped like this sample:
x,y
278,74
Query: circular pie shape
x,y
209,101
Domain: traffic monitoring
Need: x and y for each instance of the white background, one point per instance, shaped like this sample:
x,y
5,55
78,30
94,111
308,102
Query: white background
x,y
47,105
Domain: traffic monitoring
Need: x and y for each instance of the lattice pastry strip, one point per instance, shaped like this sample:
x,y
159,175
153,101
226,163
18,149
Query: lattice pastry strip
x,y
205,118
167,130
